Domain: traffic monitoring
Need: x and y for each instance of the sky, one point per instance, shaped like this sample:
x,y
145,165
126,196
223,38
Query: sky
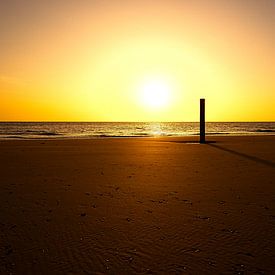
x,y
85,60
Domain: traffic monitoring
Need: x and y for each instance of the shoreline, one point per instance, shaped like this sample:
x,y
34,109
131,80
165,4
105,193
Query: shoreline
x,y
140,137
95,130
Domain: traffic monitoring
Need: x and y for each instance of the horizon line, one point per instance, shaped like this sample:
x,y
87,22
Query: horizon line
x,y
88,121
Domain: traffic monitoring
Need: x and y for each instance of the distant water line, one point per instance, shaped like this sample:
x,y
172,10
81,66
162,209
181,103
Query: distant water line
x,y
53,130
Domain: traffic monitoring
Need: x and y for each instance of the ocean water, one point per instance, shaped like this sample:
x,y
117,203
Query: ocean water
x,y
51,130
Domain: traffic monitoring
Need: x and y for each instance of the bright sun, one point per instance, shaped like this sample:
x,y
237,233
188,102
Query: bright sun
x,y
156,94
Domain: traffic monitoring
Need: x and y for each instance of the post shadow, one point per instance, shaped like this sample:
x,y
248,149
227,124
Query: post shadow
x,y
249,157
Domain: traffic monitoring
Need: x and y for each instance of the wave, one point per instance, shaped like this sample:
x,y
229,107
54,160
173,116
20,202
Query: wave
x,y
48,134
265,131
31,133
120,136
212,133
108,130
12,137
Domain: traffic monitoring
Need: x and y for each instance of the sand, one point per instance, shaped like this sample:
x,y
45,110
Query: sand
x,y
138,205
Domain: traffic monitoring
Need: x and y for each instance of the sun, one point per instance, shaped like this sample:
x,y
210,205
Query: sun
x,y
155,93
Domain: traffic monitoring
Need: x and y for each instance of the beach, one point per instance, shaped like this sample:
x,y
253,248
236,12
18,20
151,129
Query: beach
x,y
138,205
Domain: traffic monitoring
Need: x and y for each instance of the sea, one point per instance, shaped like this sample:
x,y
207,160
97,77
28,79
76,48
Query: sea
x,y
77,130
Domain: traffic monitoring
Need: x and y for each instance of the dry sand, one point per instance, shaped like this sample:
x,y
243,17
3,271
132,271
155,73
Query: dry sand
x,y
147,205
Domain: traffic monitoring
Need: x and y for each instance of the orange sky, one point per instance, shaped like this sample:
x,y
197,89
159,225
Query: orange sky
x,y
92,60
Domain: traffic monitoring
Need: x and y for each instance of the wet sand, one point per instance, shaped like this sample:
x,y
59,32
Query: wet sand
x,y
138,205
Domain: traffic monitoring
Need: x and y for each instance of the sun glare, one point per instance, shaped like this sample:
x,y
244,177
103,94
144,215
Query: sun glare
x,y
155,94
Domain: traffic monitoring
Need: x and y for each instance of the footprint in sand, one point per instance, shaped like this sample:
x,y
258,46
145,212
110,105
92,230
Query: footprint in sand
x,y
8,250
187,202
203,217
246,254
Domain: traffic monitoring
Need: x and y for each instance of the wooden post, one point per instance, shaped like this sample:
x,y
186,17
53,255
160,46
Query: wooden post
x,y
202,120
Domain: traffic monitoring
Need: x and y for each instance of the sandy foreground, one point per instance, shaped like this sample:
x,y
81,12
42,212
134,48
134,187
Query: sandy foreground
x,y
138,205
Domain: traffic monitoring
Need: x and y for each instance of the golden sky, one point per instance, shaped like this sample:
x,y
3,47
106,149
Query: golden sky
x,y
80,60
